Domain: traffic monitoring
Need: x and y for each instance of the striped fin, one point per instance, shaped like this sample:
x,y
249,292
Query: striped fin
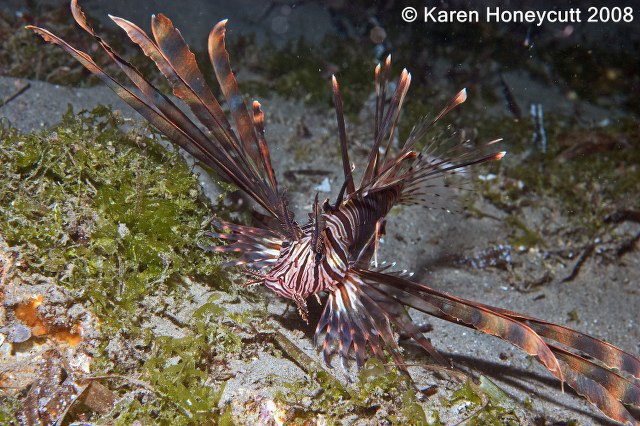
x,y
187,81
143,108
430,301
601,386
595,393
618,387
398,314
265,156
422,178
221,152
396,102
259,248
185,77
380,75
421,128
346,322
387,127
207,111
220,61
376,297
427,181
606,353
183,62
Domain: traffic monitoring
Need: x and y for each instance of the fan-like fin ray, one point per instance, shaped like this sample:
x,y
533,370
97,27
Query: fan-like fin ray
x,y
347,308
399,316
258,247
222,153
220,61
423,126
595,392
186,80
265,156
205,111
426,299
620,388
387,126
183,62
608,354
147,111
381,92
177,63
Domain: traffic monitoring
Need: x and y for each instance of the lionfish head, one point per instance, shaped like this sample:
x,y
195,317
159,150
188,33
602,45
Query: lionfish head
x,y
302,269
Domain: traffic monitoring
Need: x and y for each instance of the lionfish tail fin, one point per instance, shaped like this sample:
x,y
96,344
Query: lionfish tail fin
x,y
244,163
593,368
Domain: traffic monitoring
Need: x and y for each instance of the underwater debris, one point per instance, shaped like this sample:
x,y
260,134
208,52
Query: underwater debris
x,y
27,313
581,144
539,132
512,104
494,257
59,389
19,91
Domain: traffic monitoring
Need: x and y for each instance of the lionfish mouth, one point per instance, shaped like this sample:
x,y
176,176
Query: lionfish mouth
x,y
334,252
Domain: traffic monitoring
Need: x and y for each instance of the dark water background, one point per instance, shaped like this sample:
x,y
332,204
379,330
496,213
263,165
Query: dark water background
x,y
596,61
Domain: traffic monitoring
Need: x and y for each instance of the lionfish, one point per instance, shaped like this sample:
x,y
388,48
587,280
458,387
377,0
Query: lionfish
x,y
334,252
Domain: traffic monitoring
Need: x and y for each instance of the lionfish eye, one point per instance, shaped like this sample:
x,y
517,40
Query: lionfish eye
x,y
318,257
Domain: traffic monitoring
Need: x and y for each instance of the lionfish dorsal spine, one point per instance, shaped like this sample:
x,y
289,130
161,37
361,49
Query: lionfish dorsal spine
x,y
342,135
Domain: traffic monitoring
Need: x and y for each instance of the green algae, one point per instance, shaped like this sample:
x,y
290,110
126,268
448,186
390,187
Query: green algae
x,y
386,395
487,403
377,387
114,217
110,215
178,372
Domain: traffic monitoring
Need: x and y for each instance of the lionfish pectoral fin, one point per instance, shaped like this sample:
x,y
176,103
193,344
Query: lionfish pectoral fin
x,y
611,356
598,383
358,318
258,247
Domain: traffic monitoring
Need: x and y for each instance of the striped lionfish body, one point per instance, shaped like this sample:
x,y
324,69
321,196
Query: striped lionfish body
x,y
331,255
